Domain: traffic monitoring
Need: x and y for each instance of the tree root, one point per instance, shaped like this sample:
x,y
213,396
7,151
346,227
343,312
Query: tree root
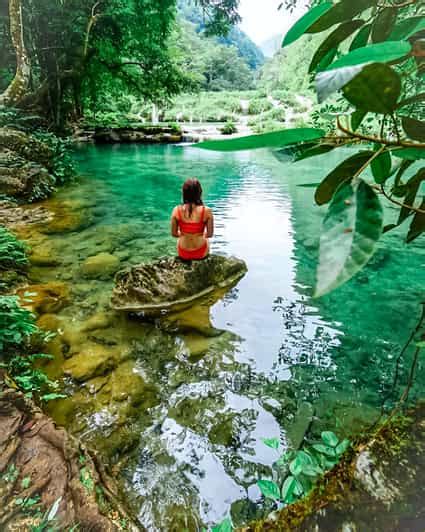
x,y
39,459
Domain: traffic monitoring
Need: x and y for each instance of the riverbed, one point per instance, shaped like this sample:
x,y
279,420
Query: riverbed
x,y
183,415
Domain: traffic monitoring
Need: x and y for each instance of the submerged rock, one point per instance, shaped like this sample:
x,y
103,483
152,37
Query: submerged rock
x,y
101,266
45,298
171,285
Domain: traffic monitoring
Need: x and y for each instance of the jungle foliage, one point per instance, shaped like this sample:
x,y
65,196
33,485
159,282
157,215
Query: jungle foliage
x,y
381,75
68,56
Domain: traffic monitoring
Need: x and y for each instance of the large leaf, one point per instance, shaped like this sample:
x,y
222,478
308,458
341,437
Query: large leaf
x,y
417,227
313,151
351,229
383,24
362,37
341,173
357,118
275,139
381,53
415,129
269,489
305,22
376,88
407,27
381,167
329,81
412,154
341,11
333,40
412,189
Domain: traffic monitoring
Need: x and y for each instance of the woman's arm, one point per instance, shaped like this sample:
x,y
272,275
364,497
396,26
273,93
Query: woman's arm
x,y
210,224
174,224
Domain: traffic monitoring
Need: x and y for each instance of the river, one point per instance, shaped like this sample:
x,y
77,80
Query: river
x,y
183,416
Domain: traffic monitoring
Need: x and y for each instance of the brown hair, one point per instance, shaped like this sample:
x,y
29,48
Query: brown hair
x,y
192,193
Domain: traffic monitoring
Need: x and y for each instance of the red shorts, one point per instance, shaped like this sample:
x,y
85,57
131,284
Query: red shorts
x,y
193,254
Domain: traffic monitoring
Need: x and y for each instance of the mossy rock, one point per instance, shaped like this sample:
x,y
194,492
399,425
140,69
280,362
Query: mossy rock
x,y
100,266
171,285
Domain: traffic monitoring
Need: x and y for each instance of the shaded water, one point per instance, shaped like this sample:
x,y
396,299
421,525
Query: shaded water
x,y
286,363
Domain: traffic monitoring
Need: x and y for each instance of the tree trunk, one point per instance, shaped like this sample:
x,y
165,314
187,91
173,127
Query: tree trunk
x,y
18,87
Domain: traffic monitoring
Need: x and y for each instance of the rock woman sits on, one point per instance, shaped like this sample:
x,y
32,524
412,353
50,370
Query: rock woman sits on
x,y
192,223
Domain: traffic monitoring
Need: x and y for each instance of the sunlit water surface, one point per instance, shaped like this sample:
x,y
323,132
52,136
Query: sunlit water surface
x,y
287,364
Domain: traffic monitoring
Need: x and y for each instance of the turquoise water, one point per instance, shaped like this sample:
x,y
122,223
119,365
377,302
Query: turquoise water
x,y
286,364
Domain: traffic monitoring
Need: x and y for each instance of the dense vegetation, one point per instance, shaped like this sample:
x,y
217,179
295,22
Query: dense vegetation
x,y
70,57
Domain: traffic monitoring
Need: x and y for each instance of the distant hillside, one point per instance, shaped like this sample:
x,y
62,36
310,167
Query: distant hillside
x,y
246,48
271,46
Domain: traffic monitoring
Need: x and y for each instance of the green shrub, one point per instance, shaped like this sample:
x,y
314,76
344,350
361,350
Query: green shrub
x,y
12,251
229,128
63,168
259,105
17,327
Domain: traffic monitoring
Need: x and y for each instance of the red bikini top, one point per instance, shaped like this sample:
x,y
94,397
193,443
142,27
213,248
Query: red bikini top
x,y
191,227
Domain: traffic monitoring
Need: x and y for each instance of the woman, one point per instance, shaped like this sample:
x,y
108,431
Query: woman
x,y
192,223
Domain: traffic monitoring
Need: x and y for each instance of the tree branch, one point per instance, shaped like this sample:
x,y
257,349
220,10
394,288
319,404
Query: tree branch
x,y
379,140
396,202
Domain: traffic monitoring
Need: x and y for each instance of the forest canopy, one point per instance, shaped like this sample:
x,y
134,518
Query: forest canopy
x,y
68,55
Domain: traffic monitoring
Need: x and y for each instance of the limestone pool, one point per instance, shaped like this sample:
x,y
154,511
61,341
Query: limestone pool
x,y
183,416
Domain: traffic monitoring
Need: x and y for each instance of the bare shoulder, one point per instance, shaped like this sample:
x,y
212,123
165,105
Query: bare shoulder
x,y
208,212
175,212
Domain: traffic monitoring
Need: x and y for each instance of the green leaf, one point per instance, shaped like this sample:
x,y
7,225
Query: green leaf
x,y
361,39
341,173
271,442
329,81
421,345
291,489
376,88
341,11
269,489
383,24
411,154
330,438
225,526
380,53
357,118
351,229
407,27
324,449
319,149
381,167
333,40
414,129
305,22
275,139
417,227
26,483
312,470
342,447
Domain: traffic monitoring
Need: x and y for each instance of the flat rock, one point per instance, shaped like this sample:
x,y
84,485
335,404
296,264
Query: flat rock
x,y
93,361
171,285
